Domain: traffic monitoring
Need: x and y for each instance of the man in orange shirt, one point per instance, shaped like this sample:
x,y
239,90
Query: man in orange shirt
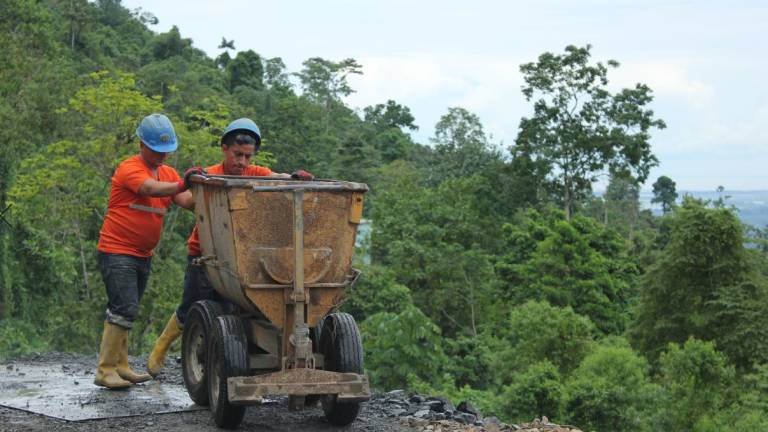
x,y
142,190
240,141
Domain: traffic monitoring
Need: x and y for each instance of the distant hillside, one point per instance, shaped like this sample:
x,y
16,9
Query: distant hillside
x,y
752,205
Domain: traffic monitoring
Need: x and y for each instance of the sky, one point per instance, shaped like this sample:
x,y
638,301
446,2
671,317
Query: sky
x,y
706,61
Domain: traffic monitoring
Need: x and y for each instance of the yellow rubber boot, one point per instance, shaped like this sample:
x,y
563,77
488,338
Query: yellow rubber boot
x,y
109,355
124,369
157,357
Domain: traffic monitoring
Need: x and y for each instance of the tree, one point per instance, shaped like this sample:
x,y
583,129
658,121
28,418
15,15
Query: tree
x,y
461,147
377,291
533,393
403,349
695,378
390,115
579,128
536,331
275,77
386,123
77,14
622,204
167,45
706,285
578,263
246,69
438,241
664,193
325,81
610,391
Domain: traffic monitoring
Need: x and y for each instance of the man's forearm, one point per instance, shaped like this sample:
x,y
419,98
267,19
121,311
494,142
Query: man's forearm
x,y
156,188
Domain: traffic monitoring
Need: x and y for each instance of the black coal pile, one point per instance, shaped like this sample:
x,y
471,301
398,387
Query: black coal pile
x,y
438,414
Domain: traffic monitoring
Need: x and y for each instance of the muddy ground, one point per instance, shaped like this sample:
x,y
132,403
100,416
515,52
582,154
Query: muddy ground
x,y
270,417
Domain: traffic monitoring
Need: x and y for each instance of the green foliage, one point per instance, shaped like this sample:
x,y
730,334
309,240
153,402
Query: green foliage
x,y
471,359
325,81
695,378
622,204
610,391
536,331
377,291
704,285
664,193
580,128
246,69
535,392
19,337
167,45
386,123
436,241
403,349
461,147
577,263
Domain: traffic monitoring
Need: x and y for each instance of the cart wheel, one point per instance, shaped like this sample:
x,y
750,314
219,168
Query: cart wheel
x,y
342,348
227,358
194,345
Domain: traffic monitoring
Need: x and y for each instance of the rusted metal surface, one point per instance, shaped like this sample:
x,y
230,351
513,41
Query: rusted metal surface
x,y
300,382
212,210
356,208
247,239
300,350
282,251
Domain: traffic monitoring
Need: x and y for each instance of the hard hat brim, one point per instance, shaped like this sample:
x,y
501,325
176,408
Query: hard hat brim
x,y
163,148
255,136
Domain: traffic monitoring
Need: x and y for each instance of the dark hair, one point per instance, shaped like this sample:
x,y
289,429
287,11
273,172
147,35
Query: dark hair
x,y
239,139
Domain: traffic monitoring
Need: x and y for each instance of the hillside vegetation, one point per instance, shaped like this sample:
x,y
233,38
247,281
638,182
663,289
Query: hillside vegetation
x,y
495,276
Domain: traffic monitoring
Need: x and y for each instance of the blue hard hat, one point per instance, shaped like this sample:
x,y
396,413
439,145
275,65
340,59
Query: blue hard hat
x,y
156,132
243,125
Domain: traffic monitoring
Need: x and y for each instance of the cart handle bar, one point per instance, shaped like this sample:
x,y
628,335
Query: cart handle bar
x,y
247,182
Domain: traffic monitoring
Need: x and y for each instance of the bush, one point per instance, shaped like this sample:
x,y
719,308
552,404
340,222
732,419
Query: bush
x,y
695,378
537,331
610,391
403,350
377,291
534,393
19,337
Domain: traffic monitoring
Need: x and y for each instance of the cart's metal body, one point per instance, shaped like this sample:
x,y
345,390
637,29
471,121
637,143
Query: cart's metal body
x,y
281,251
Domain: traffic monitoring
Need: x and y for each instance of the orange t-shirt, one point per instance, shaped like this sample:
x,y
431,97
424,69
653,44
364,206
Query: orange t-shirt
x,y
133,222
193,244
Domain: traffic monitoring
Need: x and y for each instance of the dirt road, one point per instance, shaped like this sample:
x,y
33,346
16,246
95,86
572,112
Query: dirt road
x,y
78,370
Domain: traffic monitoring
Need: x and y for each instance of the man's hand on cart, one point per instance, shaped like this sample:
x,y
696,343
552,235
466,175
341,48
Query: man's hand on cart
x,y
189,173
302,175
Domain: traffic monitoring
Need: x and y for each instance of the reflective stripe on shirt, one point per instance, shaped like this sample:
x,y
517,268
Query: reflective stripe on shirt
x,y
160,211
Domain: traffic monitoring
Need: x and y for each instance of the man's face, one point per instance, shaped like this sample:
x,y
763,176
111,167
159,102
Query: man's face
x,y
237,157
152,158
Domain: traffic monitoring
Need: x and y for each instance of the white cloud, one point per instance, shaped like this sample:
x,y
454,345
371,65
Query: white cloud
x,y
665,78
487,85
402,78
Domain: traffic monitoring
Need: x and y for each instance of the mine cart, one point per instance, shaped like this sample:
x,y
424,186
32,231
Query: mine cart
x,y
280,251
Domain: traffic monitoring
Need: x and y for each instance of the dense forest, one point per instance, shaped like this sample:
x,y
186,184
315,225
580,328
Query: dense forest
x,y
496,275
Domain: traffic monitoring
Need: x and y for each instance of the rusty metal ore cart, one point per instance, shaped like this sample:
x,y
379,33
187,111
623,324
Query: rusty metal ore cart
x,y
279,250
